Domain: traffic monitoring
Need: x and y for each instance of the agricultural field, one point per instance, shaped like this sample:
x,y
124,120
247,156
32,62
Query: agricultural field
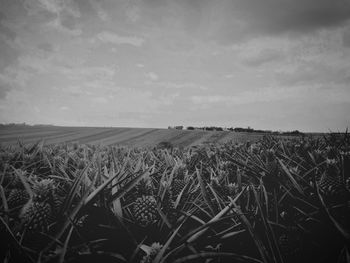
x,y
136,137
273,200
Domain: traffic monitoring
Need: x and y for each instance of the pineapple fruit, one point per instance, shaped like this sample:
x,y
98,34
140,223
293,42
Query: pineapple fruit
x,y
168,206
40,211
17,198
178,182
45,191
145,210
36,216
177,186
332,186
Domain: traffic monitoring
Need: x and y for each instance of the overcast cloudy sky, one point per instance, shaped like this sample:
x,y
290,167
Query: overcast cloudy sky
x,y
272,64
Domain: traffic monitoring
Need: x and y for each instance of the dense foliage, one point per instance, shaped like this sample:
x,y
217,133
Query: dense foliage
x,y
272,201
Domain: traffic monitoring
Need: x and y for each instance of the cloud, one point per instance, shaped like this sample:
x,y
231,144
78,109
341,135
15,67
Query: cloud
x,y
168,99
263,57
185,85
54,6
5,31
346,38
314,72
275,16
4,89
86,8
152,76
109,109
190,53
133,13
93,73
112,38
101,13
232,21
266,94
76,91
46,47
64,28
61,7
100,100
64,108
60,15
8,55
31,63
16,78
299,96
13,78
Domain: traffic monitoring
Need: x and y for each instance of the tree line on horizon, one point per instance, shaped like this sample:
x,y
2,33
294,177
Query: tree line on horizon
x,y
237,129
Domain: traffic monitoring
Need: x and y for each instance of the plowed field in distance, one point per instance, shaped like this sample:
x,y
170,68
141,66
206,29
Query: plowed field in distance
x,y
134,137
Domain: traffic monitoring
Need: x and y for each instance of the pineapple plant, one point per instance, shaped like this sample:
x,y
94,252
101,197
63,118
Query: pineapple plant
x,y
141,205
43,189
289,244
215,184
145,210
144,187
57,161
45,192
222,188
15,181
332,187
180,171
230,189
81,164
272,167
151,252
271,162
39,212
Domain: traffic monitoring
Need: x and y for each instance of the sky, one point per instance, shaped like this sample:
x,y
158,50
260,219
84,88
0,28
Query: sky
x,y
272,64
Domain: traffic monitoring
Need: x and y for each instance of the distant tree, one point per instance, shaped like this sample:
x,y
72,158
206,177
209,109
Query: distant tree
x,y
238,129
295,132
250,129
190,128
